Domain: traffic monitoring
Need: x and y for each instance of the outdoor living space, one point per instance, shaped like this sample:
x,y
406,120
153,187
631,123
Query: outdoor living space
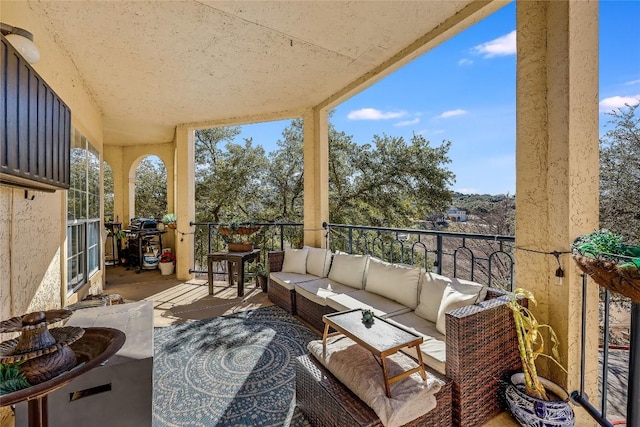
x,y
110,83
178,302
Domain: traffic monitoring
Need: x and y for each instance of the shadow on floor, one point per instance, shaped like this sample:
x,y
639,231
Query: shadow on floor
x,y
176,301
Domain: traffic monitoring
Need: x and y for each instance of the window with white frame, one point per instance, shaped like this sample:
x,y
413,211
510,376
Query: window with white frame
x,y
83,213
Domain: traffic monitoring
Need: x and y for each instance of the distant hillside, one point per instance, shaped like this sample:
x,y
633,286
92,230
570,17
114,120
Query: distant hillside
x,y
479,204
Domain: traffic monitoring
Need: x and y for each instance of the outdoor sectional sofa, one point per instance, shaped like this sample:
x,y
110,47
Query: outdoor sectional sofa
x,y
468,330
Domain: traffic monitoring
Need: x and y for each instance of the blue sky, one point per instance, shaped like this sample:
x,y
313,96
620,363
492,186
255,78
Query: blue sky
x,y
463,91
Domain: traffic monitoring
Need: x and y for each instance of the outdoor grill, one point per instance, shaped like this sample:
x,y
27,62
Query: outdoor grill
x,y
143,236
143,224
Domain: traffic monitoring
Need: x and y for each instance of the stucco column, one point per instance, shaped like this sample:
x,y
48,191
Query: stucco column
x,y
557,170
185,202
316,176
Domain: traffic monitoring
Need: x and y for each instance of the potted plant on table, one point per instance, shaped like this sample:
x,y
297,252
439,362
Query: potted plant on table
x,y
535,401
167,263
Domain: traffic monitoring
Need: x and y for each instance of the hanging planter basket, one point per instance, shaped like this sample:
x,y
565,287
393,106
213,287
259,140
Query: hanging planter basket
x,y
615,272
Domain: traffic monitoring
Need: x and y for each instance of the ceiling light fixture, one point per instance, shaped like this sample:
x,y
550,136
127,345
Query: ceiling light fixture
x,y
22,40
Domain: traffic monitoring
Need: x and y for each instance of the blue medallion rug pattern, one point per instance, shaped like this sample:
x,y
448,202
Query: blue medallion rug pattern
x,y
236,370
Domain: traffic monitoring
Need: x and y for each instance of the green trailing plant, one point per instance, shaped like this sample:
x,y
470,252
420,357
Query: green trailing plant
x,y
607,245
236,231
169,219
11,379
531,343
261,270
117,235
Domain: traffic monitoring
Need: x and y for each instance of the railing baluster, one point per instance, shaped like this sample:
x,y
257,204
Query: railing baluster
x,y
605,356
633,397
439,252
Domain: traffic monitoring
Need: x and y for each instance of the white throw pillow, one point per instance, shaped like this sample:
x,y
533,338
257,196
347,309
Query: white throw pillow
x,y
433,286
458,293
348,269
318,261
395,282
295,261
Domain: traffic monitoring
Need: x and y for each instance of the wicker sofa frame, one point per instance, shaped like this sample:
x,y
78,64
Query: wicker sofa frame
x,y
481,349
326,402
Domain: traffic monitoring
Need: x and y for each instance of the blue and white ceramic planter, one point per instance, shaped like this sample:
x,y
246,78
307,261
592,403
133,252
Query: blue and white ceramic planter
x,y
533,412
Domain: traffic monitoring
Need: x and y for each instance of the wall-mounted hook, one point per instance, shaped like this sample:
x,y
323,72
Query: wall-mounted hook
x,y
29,195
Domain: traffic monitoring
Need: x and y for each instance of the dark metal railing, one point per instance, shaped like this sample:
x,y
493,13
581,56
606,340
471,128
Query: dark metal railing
x,y
630,347
483,258
271,237
479,257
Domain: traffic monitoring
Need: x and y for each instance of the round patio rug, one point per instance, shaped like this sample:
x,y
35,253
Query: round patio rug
x,y
236,370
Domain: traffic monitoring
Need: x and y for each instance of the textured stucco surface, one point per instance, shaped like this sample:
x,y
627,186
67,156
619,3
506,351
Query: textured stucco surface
x,y
557,170
154,65
31,276
316,176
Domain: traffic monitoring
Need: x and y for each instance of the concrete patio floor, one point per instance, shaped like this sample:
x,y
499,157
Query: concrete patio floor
x,y
176,301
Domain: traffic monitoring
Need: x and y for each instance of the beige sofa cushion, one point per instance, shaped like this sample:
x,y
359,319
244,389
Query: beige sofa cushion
x,y
458,293
432,289
434,347
381,306
349,269
288,280
395,282
295,261
318,261
318,290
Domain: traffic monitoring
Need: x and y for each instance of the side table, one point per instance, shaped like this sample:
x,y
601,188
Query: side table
x,y
237,258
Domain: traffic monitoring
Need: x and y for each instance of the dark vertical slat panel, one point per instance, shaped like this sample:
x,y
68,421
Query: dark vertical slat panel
x,y
3,105
55,134
66,160
42,129
32,151
12,113
36,126
48,162
23,118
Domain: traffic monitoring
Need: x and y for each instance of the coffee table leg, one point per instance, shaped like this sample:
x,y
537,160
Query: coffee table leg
x,y
423,374
387,387
324,340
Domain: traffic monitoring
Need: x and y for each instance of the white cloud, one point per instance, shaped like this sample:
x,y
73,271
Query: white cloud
x,y
374,114
615,102
632,82
408,122
465,61
502,46
451,113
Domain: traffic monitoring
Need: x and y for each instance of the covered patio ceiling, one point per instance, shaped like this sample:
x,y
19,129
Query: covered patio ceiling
x,y
154,65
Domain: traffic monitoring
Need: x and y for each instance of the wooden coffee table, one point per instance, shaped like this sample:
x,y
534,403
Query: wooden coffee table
x,y
381,338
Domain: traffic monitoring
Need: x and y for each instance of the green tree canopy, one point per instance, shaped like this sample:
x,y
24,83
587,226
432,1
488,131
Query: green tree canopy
x,y
151,188
228,180
620,174
387,183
